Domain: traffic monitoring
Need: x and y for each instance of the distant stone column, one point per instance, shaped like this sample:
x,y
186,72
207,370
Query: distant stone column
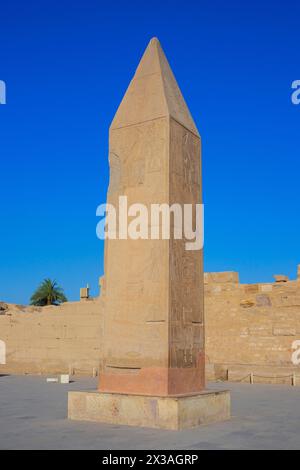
x,y
84,293
153,321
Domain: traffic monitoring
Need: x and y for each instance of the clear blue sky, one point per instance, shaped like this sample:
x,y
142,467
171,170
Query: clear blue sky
x,y
67,64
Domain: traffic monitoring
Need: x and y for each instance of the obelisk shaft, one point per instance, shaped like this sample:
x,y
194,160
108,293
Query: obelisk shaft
x,y
153,326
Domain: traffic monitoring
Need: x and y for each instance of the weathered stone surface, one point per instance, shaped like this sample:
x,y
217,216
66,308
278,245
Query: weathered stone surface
x,y
156,412
247,303
3,308
53,340
153,318
287,300
284,331
84,293
64,378
251,288
263,300
280,278
221,277
261,335
266,287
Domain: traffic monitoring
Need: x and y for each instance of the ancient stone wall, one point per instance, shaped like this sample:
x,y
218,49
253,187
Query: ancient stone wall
x,y
51,339
249,328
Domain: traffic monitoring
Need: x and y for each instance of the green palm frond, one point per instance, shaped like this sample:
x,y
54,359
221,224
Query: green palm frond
x,y
48,293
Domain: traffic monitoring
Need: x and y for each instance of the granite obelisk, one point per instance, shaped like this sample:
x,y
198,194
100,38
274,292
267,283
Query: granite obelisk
x,y
153,326
153,367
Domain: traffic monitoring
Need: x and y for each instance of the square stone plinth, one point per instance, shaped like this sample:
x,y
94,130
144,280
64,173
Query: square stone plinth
x,y
180,412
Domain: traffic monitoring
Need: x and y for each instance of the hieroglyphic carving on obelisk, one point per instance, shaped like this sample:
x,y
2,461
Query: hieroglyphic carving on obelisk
x,y
153,326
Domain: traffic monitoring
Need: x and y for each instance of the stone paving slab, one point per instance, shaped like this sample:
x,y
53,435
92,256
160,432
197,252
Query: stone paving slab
x,y
33,415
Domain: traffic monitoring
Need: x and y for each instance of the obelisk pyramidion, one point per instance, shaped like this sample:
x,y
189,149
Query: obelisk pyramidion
x,y
153,325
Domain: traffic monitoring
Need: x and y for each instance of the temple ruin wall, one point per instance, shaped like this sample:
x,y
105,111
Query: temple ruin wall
x,y
249,328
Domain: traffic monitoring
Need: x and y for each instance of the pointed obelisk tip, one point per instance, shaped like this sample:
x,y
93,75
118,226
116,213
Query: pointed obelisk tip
x,y
154,40
153,93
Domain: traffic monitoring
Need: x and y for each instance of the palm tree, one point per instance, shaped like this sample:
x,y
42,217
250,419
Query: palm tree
x,y
48,293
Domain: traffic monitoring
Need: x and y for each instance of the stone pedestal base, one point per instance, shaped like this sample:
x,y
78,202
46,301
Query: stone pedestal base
x,y
175,413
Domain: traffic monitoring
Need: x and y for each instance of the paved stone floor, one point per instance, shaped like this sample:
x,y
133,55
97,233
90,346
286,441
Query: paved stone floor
x,y
33,416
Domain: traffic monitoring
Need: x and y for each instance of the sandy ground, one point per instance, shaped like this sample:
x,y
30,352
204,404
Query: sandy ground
x,y
33,416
